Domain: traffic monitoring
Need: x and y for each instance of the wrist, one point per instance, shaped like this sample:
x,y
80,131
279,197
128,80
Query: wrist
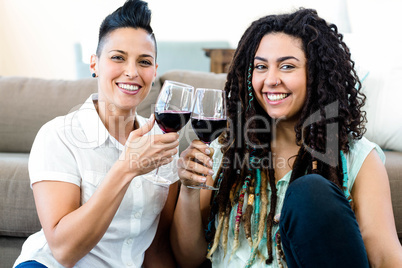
x,y
190,192
125,171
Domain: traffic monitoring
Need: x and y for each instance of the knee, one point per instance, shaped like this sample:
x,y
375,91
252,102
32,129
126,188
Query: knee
x,y
311,187
310,179
312,192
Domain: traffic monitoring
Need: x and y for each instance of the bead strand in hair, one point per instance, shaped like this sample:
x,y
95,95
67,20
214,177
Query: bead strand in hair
x,y
228,209
271,215
217,234
239,214
226,229
279,252
246,218
259,232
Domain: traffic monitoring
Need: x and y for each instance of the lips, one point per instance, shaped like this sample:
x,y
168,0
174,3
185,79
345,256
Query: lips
x,y
129,88
276,96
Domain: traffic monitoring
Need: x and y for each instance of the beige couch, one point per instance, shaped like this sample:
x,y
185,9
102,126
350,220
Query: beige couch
x,y
27,103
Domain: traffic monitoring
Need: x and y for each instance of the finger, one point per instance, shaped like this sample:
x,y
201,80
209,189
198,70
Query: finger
x,y
192,153
203,159
166,156
160,147
211,151
195,167
189,178
167,138
143,129
170,153
202,147
205,169
181,163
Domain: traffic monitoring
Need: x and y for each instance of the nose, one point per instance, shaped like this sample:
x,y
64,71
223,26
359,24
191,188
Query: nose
x,y
131,71
273,78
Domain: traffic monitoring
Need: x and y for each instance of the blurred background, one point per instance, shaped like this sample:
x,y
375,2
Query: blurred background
x,y
54,39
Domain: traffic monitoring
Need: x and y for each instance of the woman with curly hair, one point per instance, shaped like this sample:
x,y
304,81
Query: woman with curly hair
x,y
299,185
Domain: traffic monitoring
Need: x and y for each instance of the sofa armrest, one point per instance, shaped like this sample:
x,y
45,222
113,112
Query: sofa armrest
x,y
18,217
393,164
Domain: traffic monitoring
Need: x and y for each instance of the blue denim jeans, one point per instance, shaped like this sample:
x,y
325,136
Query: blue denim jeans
x,y
30,264
318,227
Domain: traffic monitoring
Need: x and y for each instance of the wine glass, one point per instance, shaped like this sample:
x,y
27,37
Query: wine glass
x,y
208,119
172,112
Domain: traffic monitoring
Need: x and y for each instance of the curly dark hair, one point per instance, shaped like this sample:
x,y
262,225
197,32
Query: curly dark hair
x,y
333,87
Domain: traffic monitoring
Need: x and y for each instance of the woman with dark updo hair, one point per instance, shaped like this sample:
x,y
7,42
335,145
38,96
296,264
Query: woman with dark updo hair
x,y
299,185
89,169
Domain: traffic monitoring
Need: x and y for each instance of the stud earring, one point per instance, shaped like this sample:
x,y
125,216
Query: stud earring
x,y
153,83
93,75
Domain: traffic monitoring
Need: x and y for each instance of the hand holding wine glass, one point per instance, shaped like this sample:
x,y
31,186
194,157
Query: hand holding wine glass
x,y
208,119
172,112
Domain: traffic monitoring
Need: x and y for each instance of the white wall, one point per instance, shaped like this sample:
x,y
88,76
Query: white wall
x,y
38,37
226,19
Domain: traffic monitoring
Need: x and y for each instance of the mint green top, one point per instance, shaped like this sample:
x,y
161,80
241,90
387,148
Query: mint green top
x,y
355,158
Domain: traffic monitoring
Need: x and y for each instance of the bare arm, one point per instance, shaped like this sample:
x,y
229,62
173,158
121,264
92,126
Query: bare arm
x,y
187,233
73,230
160,254
373,208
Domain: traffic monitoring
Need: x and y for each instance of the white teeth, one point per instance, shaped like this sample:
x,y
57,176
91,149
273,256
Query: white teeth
x,y
276,97
128,87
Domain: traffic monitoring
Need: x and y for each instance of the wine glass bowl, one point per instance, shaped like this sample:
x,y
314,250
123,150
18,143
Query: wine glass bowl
x,y
208,118
172,112
172,121
173,106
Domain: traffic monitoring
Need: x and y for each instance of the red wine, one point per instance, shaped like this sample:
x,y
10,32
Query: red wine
x,y
172,121
208,129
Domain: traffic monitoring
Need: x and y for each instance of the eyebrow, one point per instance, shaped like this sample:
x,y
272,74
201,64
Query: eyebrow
x,y
125,53
278,60
118,50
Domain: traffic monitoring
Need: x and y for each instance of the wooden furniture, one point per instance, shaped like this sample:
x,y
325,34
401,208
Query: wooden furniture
x,y
220,58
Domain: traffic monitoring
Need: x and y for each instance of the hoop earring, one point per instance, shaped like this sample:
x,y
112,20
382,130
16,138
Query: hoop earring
x,y
277,83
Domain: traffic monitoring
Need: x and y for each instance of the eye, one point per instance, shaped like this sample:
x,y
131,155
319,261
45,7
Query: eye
x,y
117,58
287,67
146,62
260,67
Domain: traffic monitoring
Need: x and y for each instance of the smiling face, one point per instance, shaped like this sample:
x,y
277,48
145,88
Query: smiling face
x,y
280,76
125,68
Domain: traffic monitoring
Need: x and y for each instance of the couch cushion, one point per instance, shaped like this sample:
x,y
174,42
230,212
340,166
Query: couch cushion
x,y
17,208
384,92
196,79
393,164
27,103
10,248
